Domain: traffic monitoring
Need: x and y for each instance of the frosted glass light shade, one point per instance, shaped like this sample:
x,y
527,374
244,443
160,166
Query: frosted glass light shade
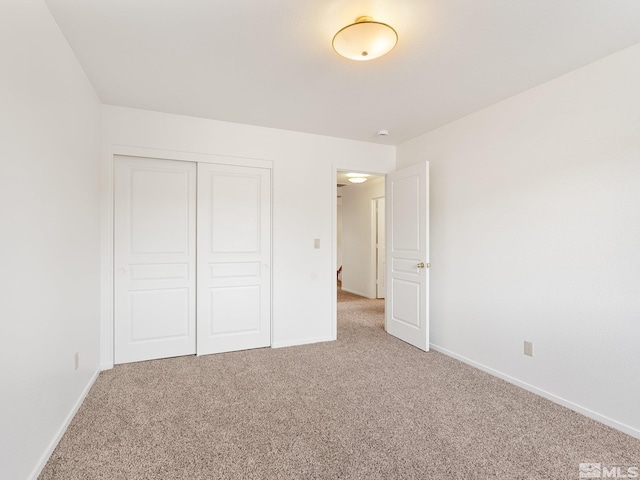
x,y
365,39
357,180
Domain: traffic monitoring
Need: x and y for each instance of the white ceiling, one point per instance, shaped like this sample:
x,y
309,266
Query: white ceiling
x,y
270,62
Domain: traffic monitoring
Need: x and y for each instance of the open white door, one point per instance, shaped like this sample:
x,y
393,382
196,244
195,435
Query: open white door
x,y
234,256
407,245
155,259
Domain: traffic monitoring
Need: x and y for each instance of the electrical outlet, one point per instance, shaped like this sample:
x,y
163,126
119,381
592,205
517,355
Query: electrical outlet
x,y
316,243
528,349
76,360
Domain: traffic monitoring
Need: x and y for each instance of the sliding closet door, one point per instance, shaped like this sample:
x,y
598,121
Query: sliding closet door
x,y
154,261
234,245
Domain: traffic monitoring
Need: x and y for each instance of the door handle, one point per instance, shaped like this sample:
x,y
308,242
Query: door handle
x,y
422,265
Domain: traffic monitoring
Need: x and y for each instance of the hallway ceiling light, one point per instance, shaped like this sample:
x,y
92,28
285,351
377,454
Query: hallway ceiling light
x,y
365,39
357,177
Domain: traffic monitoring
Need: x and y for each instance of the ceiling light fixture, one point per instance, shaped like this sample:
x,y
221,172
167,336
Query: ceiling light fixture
x,y
365,39
354,174
358,179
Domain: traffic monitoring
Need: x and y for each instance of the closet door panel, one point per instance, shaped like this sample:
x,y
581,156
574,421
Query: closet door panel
x,y
234,256
154,258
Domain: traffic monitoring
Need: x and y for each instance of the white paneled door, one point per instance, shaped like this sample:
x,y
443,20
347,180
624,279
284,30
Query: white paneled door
x,y
407,221
154,259
234,258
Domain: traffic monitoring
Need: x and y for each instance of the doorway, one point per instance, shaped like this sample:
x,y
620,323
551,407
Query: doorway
x,y
360,250
406,193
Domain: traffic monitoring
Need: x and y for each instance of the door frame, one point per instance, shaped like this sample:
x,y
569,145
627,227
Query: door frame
x,y
334,234
375,232
107,297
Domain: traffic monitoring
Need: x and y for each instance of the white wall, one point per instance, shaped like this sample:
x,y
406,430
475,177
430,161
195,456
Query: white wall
x,y
535,235
358,250
304,206
49,246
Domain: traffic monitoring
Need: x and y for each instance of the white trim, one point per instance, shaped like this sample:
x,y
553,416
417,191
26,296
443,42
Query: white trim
x,y
131,151
302,341
63,428
373,250
360,294
271,317
334,254
374,242
107,358
543,393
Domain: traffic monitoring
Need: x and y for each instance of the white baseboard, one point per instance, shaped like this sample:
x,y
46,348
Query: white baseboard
x,y
63,428
303,341
360,294
634,432
106,366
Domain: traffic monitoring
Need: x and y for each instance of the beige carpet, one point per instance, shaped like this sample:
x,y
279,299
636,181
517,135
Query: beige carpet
x,y
365,407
